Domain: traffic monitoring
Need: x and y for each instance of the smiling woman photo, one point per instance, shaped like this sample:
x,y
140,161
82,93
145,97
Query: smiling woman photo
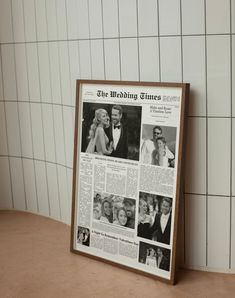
x,y
107,211
121,217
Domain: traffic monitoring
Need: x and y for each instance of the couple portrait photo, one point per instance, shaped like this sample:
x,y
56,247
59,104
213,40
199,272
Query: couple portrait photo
x,y
154,217
111,130
158,145
114,209
154,256
83,236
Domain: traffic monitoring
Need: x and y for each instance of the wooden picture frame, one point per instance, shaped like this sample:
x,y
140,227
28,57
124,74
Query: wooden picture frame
x,y
128,163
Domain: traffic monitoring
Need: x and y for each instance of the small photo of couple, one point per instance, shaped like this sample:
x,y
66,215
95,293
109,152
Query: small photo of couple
x,y
114,210
154,256
83,236
154,217
158,145
111,130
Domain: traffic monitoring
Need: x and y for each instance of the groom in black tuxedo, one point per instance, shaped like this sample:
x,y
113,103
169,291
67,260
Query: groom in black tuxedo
x,y
117,134
161,228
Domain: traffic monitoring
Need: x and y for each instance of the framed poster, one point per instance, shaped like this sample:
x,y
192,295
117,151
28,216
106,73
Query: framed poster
x,y
128,156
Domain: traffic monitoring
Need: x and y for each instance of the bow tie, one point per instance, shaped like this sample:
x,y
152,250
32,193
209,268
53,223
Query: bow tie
x,y
117,126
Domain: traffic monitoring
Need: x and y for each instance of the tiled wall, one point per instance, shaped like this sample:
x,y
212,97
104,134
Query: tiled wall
x,y
46,45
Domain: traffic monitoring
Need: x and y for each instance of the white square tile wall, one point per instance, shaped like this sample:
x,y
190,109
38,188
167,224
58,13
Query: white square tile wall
x,y
51,18
233,157
72,18
149,59
30,185
219,150
59,135
52,188
8,72
233,75
63,190
85,59
25,125
21,72
5,184
3,132
83,20
33,71
18,22
55,72
171,9
42,182
218,222
74,68
218,75
41,20
112,59
129,59
49,132
1,82
194,71
233,233
6,21
18,183
195,163
69,136
233,15
170,59
127,18
147,17
110,18
217,16
13,129
193,17
37,130
97,59
44,72
65,73
95,17
61,19
29,20
195,230
69,179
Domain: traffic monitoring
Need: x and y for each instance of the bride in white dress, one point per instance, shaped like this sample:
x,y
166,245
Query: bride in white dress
x,y
99,142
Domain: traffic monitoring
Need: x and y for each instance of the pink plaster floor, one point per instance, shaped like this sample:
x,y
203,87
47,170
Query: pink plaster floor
x,y
35,261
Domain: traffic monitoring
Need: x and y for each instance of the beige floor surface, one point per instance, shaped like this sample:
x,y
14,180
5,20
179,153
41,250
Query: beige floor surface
x,y
35,261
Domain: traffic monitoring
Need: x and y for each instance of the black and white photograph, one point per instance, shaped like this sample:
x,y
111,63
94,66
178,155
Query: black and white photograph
x,y
154,217
154,256
158,145
111,130
115,210
83,236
